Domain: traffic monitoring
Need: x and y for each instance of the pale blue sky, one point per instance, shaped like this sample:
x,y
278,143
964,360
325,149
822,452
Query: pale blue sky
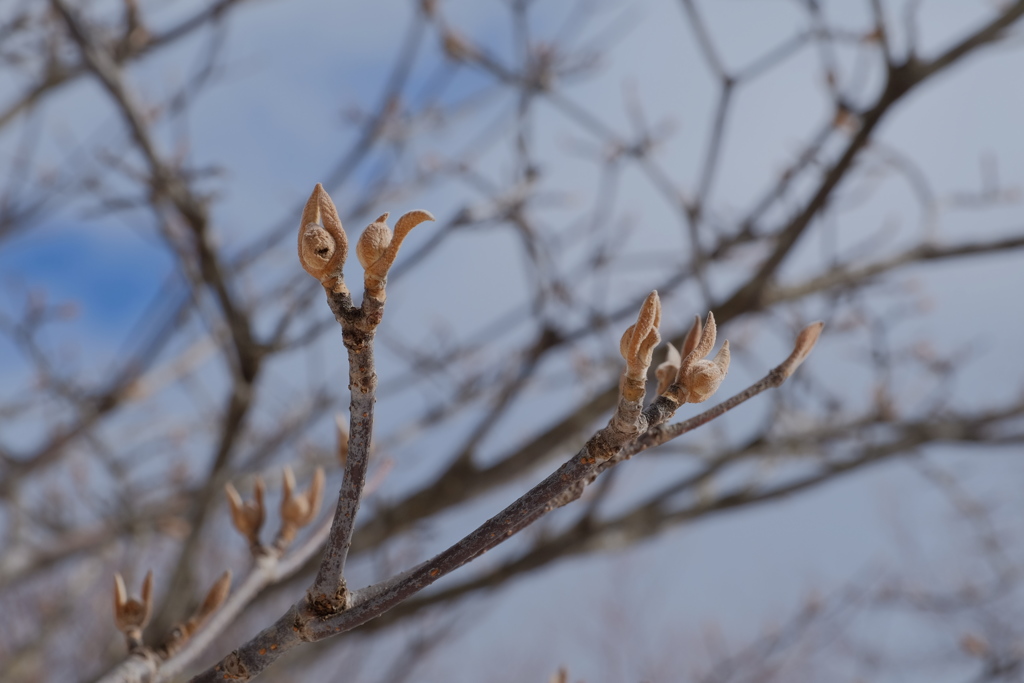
x,y
273,125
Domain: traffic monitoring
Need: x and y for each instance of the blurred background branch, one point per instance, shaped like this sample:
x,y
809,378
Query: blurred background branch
x,y
855,162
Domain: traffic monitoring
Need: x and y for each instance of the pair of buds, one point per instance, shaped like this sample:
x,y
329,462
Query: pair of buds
x,y
297,509
686,377
131,615
323,244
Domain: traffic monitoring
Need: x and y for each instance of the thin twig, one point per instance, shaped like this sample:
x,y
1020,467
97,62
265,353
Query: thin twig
x,y
302,623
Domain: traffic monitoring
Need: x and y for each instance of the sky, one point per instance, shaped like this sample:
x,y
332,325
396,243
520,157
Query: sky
x,y
273,125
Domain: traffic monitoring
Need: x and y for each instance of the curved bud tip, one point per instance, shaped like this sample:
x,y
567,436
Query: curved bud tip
x,y
805,342
120,593
637,346
287,482
311,211
257,491
693,336
704,344
234,499
131,614
646,321
410,220
721,358
376,273
650,313
698,378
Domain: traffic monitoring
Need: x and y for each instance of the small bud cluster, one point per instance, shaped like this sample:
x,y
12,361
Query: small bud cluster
x,y
323,245
689,377
297,510
247,517
377,249
131,615
686,377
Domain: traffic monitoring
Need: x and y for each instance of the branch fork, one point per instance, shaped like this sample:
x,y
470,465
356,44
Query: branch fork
x,y
329,608
131,616
322,250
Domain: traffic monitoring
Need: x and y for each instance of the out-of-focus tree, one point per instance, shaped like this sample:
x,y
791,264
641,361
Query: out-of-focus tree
x,y
159,343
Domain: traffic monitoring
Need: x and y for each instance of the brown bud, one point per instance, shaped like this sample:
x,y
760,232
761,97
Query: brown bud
x,y
805,342
706,342
183,632
131,615
705,376
456,47
298,509
375,274
247,517
637,347
323,244
667,371
699,378
215,597
374,241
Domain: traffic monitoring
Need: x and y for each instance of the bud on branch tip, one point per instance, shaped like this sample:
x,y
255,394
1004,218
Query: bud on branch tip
x,y
669,369
131,614
698,378
247,517
637,346
323,244
805,342
183,632
215,596
377,249
298,510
